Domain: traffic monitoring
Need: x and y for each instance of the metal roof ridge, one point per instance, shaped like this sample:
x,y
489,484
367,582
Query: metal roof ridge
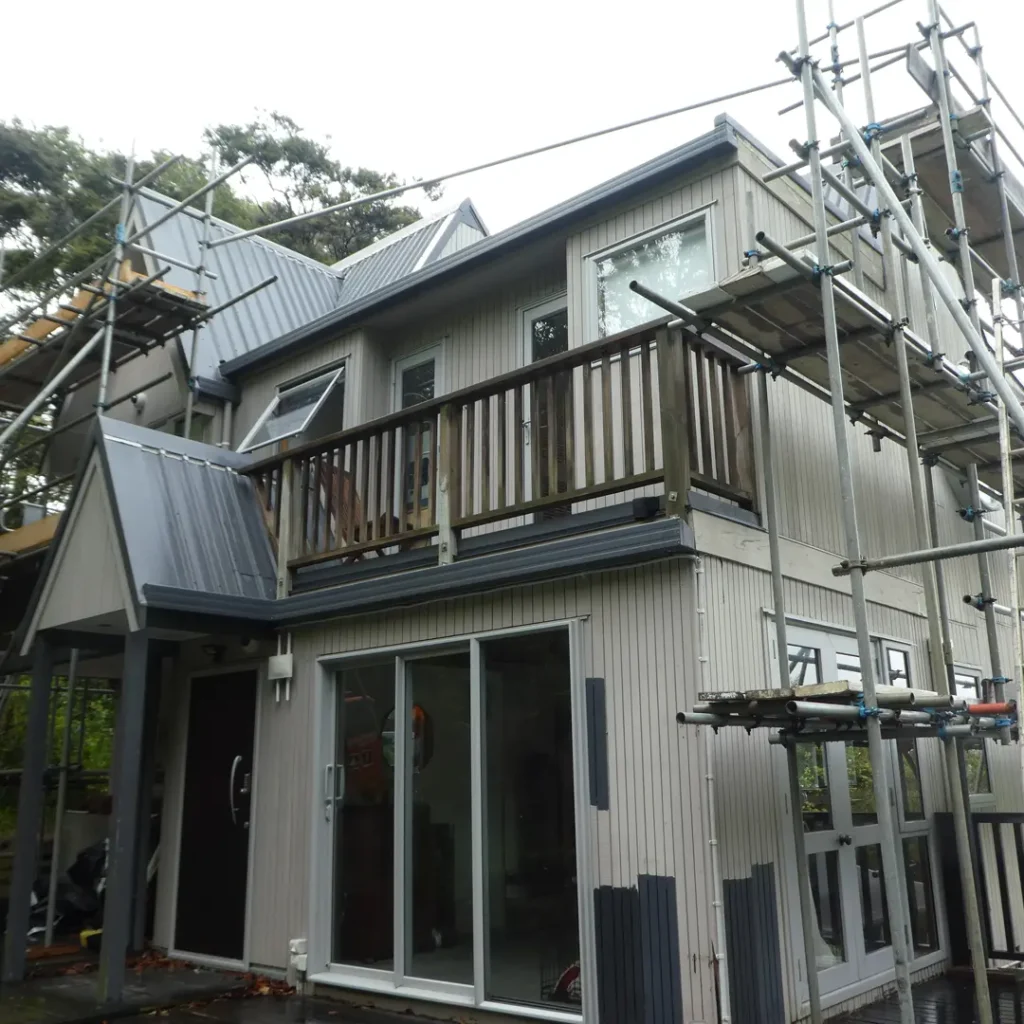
x,y
396,236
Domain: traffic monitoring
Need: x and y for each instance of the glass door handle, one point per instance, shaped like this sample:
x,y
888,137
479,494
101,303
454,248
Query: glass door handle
x,y
231,788
328,790
843,839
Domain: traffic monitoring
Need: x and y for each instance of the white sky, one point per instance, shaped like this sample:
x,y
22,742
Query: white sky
x,y
429,87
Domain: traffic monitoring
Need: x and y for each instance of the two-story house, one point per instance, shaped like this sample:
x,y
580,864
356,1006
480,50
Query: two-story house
x,y
411,647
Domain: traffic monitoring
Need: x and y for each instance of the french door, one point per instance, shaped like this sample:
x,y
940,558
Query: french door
x,y
844,854
451,796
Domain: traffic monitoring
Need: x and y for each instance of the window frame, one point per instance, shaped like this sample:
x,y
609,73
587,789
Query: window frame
x,y
335,373
591,259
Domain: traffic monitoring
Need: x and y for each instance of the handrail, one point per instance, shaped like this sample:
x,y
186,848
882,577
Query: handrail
x,y
571,359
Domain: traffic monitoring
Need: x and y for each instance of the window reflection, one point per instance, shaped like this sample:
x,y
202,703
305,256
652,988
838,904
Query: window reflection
x,y
848,667
804,665
823,871
920,902
874,913
899,667
862,785
816,804
675,264
910,780
976,762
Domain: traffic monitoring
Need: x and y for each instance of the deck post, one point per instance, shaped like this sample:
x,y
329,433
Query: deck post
x,y
891,861
674,384
123,843
31,796
154,686
447,477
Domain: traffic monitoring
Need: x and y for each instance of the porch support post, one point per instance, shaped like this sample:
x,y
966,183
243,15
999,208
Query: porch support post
x,y
448,483
30,813
154,687
117,914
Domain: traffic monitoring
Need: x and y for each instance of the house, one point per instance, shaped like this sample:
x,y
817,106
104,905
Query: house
x,y
410,646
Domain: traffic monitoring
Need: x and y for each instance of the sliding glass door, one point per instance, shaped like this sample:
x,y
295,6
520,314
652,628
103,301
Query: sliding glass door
x,y
454,837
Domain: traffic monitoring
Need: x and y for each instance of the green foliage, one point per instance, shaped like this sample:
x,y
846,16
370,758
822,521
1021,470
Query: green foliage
x,y
96,750
51,181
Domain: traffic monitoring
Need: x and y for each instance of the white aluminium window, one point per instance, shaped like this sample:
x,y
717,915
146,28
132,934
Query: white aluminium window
x,y
292,409
674,259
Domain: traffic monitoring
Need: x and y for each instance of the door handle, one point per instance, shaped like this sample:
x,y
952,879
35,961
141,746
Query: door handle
x,y
328,791
526,431
843,839
231,788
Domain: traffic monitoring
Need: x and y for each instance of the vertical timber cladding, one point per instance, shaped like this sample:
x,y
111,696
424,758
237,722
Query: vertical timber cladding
x,y
635,633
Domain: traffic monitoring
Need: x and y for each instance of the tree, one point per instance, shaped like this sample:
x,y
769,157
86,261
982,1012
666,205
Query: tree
x,y
51,180
302,176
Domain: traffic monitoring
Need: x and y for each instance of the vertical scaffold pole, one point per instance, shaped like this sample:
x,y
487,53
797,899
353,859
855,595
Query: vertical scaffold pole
x,y
837,85
1012,285
114,282
808,919
987,597
953,759
891,861
200,285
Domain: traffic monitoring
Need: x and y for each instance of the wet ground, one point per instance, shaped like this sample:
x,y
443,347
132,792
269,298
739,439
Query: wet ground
x,y
71,998
948,1001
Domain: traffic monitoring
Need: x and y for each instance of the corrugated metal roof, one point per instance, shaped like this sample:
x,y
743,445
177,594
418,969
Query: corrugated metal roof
x,y
391,258
304,290
189,518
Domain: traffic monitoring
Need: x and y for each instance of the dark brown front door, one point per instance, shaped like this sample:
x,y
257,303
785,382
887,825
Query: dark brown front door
x,y
213,863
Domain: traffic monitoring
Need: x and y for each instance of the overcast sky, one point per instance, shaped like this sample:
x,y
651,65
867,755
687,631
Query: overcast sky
x,y
424,88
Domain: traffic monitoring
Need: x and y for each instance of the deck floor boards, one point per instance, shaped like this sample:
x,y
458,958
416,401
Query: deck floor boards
x,y
946,1001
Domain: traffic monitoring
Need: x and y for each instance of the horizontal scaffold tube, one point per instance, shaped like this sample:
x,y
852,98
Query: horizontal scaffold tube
x,y
973,547
889,732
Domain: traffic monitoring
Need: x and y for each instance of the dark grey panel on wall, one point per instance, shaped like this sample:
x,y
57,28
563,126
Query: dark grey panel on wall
x,y
659,933
638,972
597,743
754,959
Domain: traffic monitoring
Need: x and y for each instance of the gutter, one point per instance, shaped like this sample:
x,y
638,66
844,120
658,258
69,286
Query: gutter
x,y
628,545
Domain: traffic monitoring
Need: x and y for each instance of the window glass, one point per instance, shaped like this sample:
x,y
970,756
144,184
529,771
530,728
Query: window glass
x,y
291,411
862,785
848,666
920,902
899,667
823,871
874,912
418,383
910,780
549,335
674,264
979,781
804,665
966,685
814,788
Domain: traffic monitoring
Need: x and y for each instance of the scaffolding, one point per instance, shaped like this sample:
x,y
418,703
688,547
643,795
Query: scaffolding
x,y
932,187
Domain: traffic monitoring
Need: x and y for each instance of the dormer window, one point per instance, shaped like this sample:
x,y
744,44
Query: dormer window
x,y
311,406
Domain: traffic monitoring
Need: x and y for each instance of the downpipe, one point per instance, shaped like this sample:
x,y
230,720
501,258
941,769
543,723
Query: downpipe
x,y
717,901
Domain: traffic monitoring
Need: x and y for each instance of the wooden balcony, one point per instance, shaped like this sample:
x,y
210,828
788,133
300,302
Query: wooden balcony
x,y
551,439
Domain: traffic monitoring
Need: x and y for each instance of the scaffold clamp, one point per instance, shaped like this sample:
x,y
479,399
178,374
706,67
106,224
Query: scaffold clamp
x,y
978,601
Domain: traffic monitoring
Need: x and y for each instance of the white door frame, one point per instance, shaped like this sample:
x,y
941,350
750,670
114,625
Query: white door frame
x,y
422,355
861,971
184,706
321,969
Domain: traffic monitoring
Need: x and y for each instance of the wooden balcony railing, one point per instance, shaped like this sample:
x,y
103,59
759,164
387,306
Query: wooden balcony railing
x,y
597,420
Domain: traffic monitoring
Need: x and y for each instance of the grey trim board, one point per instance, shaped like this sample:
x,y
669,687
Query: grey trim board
x,y
752,935
597,743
